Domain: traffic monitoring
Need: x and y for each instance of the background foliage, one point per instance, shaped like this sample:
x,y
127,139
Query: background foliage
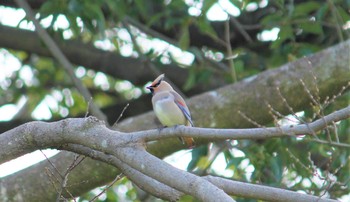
x,y
203,54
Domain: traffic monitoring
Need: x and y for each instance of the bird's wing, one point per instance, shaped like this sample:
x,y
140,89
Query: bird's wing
x,y
180,102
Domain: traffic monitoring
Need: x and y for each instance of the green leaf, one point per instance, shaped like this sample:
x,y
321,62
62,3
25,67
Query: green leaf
x,y
273,19
197,154
311,27
343,14
235,162
276,167
207,4
303,9
184,40
206,28
286,32
238,3
141,8
191,80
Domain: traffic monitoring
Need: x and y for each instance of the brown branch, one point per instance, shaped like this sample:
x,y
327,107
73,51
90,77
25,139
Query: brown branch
x,y
221,105
87,55
62,59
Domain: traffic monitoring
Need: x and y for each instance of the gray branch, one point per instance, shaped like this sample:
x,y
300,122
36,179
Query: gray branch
x,y
92,133
246,133
213,109
143,181
128,147
261,192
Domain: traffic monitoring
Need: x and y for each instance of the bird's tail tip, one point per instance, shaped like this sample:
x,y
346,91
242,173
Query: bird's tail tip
x,y
189,142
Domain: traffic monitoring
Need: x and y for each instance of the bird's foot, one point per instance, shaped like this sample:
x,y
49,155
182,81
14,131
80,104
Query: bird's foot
x,y
161,128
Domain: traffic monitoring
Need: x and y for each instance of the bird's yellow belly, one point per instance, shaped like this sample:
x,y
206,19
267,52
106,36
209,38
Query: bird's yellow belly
x,y
169,114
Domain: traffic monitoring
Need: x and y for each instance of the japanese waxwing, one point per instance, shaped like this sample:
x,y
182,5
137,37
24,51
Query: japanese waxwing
x,y
169,107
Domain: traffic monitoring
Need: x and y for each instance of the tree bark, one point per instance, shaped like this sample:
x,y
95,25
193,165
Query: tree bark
x,y
219,108
90,137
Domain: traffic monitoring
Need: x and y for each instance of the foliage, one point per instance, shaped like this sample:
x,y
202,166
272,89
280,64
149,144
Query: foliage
x,y
303,28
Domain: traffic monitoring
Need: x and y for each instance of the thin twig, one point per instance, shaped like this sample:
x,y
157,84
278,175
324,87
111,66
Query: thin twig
x,y
284,100
120,115
51,175
61,58
153,33
238,25
341,92
148,63
120,176
64,179
337,18
50,162
229,50
336,144
87,108
250,120
316,103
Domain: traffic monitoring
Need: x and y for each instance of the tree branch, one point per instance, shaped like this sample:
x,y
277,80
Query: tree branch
x,y
145,182
163,191
99,60
261,192
248,133
216,109
62,59
92,133
89,132
28,137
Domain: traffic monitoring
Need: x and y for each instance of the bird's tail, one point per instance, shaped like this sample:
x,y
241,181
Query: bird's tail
x,y
188,141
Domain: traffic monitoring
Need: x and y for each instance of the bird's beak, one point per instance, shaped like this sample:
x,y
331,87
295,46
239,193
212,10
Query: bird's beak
x,y
150,88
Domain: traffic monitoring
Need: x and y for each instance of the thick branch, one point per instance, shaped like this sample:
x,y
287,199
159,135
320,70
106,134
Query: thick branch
x,y
33,135
93,134
261,192
143,181
90,57
180,180
231,187
219,108
328,71
32,185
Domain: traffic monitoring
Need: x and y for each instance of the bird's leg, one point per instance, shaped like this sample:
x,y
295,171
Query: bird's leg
x,y
161,128
180,138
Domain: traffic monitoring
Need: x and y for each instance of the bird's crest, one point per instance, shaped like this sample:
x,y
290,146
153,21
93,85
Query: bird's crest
x,y
157,81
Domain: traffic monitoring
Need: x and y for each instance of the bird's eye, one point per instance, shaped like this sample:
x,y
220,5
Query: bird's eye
x,y
157,84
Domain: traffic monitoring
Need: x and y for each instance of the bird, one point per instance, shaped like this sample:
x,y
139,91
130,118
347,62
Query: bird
x,y
170,108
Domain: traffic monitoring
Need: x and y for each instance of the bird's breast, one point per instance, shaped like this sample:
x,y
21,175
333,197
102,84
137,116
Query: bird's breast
x,y
168,113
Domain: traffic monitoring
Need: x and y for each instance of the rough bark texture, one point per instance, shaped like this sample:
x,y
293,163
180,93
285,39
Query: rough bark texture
x,y
219,109
135,70
33,183
90,137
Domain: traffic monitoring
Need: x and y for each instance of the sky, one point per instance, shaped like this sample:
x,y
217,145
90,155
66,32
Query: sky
x,y
10,64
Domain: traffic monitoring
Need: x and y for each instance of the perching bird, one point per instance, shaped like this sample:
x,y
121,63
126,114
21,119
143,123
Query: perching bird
x,y
170,107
